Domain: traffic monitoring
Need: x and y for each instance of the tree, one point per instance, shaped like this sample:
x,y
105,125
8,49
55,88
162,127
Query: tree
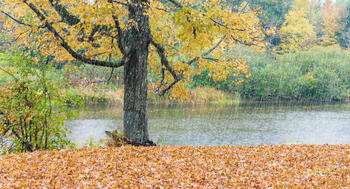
x,y
343,34
174,39
272,18
271,14
330,24
297,32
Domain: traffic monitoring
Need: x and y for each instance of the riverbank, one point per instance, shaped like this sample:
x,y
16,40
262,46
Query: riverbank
x,y
285,166
199,95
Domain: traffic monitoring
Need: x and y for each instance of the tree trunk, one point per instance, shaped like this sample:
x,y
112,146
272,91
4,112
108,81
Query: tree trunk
x,y
137,41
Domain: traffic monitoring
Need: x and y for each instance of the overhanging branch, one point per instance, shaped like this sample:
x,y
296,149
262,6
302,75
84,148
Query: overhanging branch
x,y
66,16
208,52
66,46
176,3
218,23
17,20
119,2
120,34
164,61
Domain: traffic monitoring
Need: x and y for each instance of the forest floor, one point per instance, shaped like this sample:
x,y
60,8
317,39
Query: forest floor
x,y
281,166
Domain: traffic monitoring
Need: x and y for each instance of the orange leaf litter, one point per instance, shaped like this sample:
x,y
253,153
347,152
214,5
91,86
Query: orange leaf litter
x,y
277,166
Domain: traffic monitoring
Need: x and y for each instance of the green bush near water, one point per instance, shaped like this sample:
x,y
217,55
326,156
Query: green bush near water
x,y
315,75
34,107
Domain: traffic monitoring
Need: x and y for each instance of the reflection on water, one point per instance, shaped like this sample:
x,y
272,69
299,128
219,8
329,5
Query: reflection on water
x,y
86,129
252,124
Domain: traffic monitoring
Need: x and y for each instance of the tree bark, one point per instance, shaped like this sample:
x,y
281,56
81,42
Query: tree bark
x,y
137,41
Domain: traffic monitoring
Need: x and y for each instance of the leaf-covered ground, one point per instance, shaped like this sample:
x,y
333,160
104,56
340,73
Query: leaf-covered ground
x,y
178,167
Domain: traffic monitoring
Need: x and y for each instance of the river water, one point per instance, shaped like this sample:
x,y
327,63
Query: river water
x,y
247,124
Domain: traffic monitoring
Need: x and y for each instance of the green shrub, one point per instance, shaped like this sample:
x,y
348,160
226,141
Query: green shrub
x,y
34,109
317,75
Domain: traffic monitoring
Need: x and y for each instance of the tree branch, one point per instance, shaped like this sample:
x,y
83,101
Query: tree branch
x,y
72,20
9,73
245,6
223,25
119,2
15,20
18,21
161,9
66,46
161,93
176,3
66,16
208,52
163,58
179,5
211,59
164,61
243,42
120,34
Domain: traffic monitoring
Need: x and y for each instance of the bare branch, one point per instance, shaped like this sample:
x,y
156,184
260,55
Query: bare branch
x,y
164,61
110,76
225,26
245,6
243,42
161,9
9,73
119,2
208,52
163,58
120,34
211,59
18,21
65,45
163,77
161,93
15,20
66,16
176,3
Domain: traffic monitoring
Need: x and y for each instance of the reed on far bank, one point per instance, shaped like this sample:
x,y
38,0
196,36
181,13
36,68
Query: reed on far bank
x,y
320,74
114,96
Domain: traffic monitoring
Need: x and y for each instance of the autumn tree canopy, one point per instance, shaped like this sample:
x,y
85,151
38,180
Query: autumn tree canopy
x,y
330,23
174,39
272,17
297,33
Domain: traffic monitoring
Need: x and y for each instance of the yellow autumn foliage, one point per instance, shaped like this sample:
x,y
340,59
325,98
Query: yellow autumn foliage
x,y
296,32
193,38
330,24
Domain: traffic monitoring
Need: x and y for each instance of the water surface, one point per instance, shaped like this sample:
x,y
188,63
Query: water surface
x,y
250,124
